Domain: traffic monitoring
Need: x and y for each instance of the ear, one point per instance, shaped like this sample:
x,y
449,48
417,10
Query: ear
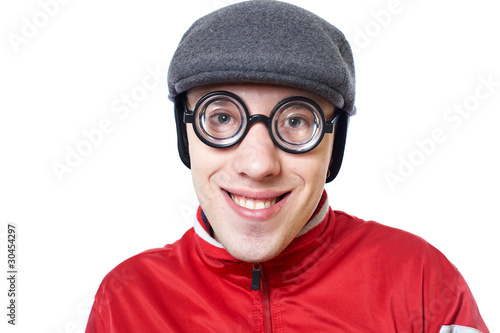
x,y
340,135
182,139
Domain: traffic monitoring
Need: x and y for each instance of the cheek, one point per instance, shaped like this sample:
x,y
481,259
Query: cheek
x,y
205,162
314,164
199,169
203,158
194,146
325,150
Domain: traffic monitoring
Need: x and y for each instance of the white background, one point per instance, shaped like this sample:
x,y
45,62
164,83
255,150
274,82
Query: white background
x,y
416,62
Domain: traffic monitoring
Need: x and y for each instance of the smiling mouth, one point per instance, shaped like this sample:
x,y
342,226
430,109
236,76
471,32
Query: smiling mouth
x,y
255,204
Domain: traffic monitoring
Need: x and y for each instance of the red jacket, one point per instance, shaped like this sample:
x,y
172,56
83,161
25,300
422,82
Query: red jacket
x,y
342,275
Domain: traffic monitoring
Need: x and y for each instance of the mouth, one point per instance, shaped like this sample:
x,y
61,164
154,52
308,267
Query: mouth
x,y
255,203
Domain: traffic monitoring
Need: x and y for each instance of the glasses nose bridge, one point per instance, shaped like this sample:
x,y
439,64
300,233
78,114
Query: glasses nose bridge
x,y
258,118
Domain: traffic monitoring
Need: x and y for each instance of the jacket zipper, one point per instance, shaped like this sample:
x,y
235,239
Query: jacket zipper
x,y
259,276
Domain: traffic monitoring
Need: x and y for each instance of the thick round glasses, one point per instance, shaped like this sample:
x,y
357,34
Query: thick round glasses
x,y
296,125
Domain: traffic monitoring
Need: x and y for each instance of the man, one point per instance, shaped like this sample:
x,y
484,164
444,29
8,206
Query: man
x,y
263,91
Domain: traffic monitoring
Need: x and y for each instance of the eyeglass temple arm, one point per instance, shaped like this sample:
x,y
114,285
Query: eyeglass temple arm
x,y
331,124
188,117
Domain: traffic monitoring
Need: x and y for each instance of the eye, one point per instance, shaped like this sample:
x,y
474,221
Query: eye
x,y
295,122
222,118
221,122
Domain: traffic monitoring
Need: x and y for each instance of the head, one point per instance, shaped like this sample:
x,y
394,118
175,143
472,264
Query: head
x,y
261,53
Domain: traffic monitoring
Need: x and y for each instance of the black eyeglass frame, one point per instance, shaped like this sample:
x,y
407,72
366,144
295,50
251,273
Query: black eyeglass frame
x,y
324,126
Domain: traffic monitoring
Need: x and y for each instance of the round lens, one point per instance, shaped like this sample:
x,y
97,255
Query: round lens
x,y
220,120
297,125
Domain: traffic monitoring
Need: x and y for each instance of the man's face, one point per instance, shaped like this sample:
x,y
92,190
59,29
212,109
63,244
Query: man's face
x,y
279,190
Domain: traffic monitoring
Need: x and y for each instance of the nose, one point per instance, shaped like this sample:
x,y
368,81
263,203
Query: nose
x,y
256,155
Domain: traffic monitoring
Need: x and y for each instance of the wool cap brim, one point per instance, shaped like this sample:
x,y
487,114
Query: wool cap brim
x,y
265,41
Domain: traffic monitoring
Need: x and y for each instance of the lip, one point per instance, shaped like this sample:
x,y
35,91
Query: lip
x,y
257,214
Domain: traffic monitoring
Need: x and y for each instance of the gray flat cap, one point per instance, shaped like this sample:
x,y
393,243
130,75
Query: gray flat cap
x,y
265,41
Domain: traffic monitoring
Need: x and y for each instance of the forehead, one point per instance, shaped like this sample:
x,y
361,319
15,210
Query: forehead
x,y
252,93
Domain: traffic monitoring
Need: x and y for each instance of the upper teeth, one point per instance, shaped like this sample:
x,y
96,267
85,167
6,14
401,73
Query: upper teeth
x,y
253,203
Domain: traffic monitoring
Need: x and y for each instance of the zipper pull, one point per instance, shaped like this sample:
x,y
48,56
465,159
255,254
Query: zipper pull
x,y
256,276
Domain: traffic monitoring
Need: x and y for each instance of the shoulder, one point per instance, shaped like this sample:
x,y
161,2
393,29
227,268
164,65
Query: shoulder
x,y
393,246
406,270
378,234
397,260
